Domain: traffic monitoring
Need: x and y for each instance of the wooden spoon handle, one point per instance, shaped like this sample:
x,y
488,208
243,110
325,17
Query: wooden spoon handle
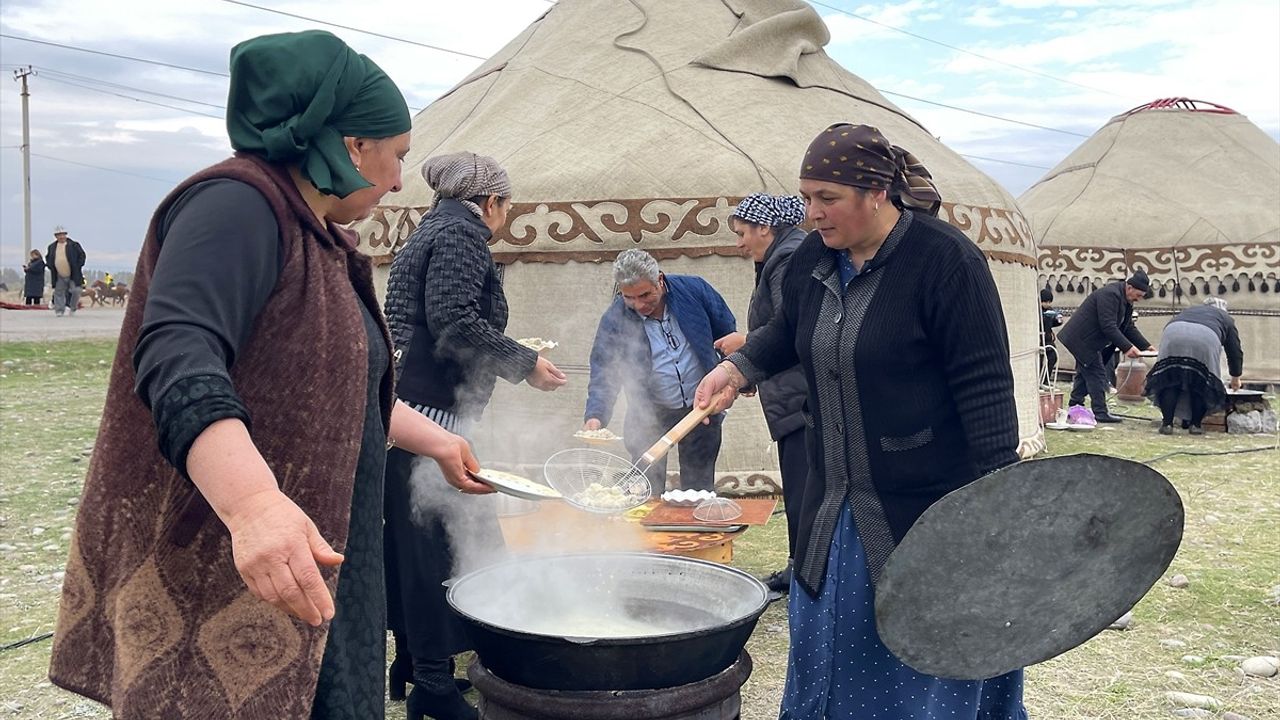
x,y
686,425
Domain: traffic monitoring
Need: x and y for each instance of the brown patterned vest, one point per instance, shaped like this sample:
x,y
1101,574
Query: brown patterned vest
x,y
155,621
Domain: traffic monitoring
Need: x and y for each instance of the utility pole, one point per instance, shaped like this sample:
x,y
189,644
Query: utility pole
x,y
21,75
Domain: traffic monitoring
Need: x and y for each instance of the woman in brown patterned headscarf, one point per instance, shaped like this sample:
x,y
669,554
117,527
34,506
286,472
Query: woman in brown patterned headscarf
x,y
893,316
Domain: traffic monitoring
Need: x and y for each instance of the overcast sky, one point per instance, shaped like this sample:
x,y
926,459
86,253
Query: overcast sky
x,y
1082,62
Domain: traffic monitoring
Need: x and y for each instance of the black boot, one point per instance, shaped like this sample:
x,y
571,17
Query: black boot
x,y
401,672
780,582
439,706
436,694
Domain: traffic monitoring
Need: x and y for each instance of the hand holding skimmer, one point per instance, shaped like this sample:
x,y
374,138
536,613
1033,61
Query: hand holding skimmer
x,y
601,482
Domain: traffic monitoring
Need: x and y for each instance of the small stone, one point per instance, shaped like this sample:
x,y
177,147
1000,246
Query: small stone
x,y
1233,716
1262,666
1172,644
1191,700
1174,675
1179,581
1124,622
73,501
59,575
1192,659
1212,519
76,458
37,531
1192,713
49,548
6,547
1233,658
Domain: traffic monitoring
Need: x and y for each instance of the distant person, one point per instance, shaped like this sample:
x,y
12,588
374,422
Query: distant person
x,y
33,285
109,281
1186,381
768,232
66,264
1105,318
656,341
1049,319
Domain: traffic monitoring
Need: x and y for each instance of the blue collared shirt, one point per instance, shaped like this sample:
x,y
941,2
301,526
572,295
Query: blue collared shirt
x,y
675,369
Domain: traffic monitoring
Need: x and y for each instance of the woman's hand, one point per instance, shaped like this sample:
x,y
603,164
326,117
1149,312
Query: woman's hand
x,y
591,425
1235,383
278,550
418,434
731,343
710,393
546,376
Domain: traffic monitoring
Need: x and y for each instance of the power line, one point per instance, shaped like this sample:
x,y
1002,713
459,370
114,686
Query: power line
x,y
355,29
963,50
106,169
135,99
1005,162
107,83
982,114
113,55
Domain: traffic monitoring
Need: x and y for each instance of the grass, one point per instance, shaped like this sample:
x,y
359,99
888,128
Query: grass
x,y
51,397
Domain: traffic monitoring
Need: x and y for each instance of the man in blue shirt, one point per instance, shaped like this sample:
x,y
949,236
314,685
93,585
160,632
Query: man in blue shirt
x,y
656,341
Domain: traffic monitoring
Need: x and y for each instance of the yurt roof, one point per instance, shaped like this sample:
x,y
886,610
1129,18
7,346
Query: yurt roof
x,y
625,122
1173,183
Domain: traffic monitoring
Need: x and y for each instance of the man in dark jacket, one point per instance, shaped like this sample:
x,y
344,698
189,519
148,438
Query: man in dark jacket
x,y
66,259
1049,319
766,226
656,342
1104,319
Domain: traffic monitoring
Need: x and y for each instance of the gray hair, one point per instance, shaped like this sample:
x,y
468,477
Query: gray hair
x,y
1217,302
634,265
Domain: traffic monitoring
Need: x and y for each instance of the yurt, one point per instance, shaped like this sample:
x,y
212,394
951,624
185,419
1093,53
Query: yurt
x,y
1185,190
640,123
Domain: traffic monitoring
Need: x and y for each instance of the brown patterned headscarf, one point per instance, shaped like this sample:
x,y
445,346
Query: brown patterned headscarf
x,y
860,156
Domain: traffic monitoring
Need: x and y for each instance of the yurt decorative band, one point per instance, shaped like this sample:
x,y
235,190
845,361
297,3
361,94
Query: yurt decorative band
x,y
564,231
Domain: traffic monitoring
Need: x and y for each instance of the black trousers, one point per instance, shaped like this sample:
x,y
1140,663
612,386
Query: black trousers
x,y
794,463
698,450
34,299
1168,402
1091,380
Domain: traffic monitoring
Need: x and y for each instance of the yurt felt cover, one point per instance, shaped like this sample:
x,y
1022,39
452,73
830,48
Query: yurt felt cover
x,y
639,123
1185,190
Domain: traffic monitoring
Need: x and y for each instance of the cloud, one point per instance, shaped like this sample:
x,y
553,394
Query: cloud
x,y
992,17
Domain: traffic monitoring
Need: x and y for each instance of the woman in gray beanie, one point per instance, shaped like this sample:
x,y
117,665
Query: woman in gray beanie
x,y
447,314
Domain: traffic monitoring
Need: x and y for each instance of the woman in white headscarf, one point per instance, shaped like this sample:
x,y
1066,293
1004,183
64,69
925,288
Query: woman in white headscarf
x,y
1186,381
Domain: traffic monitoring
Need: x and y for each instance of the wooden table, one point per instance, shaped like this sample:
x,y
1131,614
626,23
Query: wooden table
x,y
559,527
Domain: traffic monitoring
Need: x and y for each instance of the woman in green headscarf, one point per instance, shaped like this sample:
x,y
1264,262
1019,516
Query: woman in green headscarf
x,y
226,560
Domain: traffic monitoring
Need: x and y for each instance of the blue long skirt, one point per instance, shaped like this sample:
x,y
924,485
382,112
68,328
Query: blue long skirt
x,y
838,668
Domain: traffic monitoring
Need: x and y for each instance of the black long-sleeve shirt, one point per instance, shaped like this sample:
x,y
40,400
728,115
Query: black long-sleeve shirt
x,y
219,262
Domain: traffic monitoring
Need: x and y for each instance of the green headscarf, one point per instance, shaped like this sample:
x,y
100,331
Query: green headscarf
x,y
294,96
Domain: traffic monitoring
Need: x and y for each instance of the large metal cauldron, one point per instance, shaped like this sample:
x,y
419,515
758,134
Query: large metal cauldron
x,y
608,621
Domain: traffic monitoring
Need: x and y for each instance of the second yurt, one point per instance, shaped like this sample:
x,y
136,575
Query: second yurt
x,y
1185,190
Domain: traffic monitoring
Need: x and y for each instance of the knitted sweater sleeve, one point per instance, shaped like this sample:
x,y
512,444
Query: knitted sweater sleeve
x,y
453,288
967,326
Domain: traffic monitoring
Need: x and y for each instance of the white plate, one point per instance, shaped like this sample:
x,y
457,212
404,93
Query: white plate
x,y
510,484
1057,426
1080,428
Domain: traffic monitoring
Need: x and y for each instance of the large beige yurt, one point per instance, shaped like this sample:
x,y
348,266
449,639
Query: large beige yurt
x,y
1185,190
639,123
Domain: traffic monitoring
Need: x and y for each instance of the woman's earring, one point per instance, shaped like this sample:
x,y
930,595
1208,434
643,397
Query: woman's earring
x,y
876,212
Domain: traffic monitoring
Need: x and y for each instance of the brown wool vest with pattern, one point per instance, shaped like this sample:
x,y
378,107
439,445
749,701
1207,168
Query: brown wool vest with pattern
x,y
155,621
